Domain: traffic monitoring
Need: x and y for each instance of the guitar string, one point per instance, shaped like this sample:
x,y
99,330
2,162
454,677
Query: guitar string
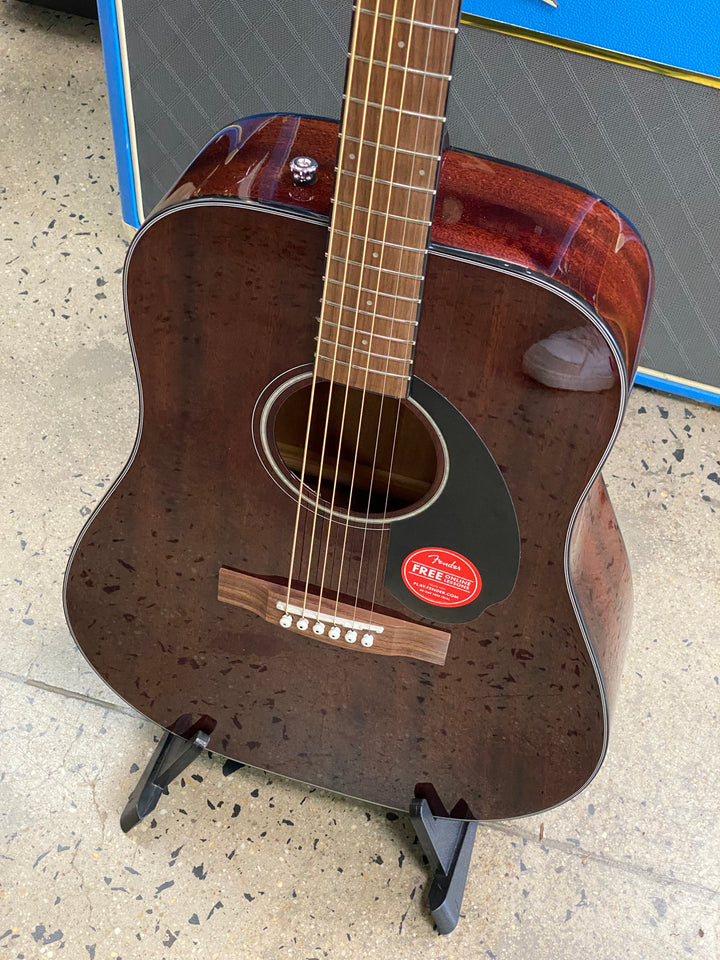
x,y
376,292
337,341
359,294
450,40
343,285
377,289
449,43
311,403
399,402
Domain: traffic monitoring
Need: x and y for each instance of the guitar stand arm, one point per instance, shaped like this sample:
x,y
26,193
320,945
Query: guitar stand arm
x,y
448,845
173,754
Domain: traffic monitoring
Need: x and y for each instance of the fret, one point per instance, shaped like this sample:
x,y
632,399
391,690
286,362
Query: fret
x,y
396,230
380,213
396,209
377,285
367,333
394,128
372,266
365,313
387,183
362,191
398,86
415,175
347,334
401,66
371,293
392,258
433,11
368,353
386,146
397,41
355,366
413,23
384,243
381,106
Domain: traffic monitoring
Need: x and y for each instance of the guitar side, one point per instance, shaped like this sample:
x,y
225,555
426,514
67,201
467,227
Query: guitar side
x,y
222,290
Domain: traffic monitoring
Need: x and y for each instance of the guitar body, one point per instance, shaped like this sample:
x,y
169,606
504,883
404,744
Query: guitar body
x,y
222,291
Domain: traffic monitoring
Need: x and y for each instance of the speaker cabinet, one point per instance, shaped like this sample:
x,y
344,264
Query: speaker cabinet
x,y
646,141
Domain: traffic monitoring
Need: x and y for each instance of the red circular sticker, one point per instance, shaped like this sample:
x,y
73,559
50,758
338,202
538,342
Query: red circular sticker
x,y
441,577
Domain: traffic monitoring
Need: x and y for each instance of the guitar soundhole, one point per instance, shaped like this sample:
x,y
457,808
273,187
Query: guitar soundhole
x,y
381,455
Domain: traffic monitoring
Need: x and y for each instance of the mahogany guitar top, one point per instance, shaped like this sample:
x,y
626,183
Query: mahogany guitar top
x,y
222,290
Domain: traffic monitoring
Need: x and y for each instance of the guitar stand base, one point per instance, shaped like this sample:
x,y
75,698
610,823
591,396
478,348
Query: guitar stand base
x,y
173,754
448,845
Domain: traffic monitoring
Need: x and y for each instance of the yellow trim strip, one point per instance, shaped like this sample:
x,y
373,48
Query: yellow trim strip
x,y
134,163
705,387
576,47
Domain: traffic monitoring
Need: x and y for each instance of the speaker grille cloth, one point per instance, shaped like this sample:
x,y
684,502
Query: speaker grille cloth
x,y
647,143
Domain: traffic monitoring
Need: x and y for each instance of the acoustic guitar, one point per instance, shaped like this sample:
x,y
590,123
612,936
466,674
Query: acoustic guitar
x,y
363,533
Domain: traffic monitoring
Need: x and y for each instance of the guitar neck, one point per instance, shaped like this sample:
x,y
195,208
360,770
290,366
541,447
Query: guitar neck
x,y
394,111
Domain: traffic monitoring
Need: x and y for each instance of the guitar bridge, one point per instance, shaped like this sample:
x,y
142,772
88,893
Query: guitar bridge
x,y
334,622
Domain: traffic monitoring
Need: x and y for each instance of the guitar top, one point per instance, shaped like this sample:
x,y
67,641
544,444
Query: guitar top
x,y
363,538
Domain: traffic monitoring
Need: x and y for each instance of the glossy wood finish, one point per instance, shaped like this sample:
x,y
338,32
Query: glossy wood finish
x,y
222,297
493,209
602,582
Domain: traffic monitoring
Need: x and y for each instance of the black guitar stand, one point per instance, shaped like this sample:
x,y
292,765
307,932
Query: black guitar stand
x,y
173,754
447,843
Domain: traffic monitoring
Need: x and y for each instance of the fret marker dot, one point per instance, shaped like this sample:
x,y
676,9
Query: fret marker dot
x,y
421,173
364,343
376,254
352,156
369,302
401,43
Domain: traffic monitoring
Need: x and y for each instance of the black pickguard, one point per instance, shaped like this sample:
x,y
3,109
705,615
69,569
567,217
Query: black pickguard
x,y
473,516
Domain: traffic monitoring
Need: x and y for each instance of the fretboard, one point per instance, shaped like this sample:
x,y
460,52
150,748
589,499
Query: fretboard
x,y
390,140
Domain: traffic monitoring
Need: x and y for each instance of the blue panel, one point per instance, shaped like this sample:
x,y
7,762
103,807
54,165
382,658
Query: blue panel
x,y
689,390
682,34
110,34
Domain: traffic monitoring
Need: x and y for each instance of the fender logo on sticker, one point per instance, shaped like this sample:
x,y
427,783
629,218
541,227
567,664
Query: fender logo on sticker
x,y
441,577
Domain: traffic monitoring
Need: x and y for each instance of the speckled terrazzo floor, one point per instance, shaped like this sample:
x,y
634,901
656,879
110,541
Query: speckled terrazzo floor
x,y
247,865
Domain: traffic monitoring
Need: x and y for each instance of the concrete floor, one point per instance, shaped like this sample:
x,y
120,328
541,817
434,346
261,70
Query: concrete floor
x,y
249,865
